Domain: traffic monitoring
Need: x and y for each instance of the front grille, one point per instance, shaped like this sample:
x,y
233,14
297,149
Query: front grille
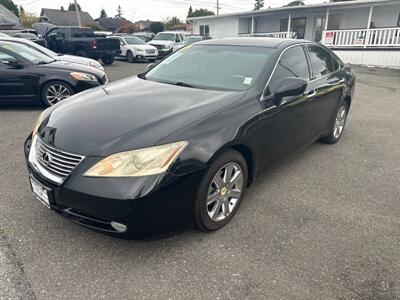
x,y
55,161
158,46
151,51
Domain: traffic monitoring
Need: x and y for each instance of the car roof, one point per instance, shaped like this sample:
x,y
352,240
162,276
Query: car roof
x,y
254,41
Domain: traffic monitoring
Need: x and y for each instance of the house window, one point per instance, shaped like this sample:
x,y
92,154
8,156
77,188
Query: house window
x,y
205,30
297,25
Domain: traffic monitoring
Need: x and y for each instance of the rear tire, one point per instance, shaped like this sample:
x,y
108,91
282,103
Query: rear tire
x,y
56,91
108,60
221,191
338,125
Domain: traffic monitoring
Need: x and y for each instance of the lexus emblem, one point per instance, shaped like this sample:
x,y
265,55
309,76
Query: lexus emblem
x,y
47,158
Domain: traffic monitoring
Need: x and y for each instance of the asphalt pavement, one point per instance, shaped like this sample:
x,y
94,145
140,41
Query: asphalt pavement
x,y
323,225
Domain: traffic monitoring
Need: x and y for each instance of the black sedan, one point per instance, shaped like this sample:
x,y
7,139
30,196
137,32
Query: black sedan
x,y
27,75
174,145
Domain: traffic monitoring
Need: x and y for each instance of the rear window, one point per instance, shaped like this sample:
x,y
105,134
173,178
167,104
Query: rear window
x,y
82,33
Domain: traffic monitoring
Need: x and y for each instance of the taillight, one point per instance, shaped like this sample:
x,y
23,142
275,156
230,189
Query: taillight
x,y
94,44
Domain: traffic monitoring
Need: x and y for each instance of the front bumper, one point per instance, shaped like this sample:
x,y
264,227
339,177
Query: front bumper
x,y
145,205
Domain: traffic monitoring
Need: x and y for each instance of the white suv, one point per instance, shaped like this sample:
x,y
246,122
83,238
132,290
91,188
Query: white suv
x,y
134,49
166,41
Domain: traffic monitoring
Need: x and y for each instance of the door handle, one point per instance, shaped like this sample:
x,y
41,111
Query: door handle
x,y
337,82
311,94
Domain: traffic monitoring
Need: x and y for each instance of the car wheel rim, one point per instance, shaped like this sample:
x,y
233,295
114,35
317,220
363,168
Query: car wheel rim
x,y
224,192
339,122
56,93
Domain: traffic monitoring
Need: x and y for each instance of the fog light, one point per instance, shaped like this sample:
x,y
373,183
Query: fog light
x,y
118,227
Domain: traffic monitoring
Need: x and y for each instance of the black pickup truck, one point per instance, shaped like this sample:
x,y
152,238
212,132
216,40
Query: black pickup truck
x,y
82,41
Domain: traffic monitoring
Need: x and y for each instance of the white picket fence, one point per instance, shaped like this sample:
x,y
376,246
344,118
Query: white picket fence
x,y
376,37
283,34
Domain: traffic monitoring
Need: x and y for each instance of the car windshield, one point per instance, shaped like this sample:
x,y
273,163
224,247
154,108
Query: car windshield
x,y
33,56
134,41
212,67
162,36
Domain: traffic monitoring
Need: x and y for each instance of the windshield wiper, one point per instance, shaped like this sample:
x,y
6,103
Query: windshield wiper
x,y
179,83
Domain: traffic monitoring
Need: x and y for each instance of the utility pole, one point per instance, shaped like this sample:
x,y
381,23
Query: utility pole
x,y
78,15
218,7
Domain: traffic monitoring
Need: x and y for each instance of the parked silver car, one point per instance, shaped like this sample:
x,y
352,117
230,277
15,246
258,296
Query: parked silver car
x,y
61,57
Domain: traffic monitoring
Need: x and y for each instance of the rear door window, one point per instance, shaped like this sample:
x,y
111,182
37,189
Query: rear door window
x,y
321,61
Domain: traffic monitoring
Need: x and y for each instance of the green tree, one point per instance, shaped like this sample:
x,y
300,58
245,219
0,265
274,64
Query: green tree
x,y
258,4
21,11
156,27
10,5
103,13
296,3
72,7
190,12
169,22
202,12
28,19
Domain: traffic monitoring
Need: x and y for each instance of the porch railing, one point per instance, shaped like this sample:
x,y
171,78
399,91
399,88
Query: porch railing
x,y
376,37
283,34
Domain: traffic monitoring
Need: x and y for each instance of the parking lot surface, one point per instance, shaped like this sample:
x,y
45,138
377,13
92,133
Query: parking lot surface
x,y
323,225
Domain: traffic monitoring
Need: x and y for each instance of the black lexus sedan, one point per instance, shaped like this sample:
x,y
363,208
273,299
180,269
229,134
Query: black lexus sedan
x,y
184,140
29,76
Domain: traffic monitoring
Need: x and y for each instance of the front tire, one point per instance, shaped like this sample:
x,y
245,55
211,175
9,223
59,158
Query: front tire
x,y
338,126
130,57
221,191
55,92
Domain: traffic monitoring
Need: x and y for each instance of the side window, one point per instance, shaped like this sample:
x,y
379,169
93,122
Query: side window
x,y
293,63
4,56
321,61
121,41
52,33
177,38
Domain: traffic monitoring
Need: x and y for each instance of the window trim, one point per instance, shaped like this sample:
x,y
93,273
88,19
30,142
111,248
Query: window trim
x,y
304,44
332,58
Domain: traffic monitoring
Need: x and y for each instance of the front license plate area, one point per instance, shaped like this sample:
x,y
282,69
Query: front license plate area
x,y
40,191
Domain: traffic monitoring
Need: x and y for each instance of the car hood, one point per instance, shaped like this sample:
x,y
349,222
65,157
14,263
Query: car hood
x,y
160,42
76,59
142,47
64,65
128,114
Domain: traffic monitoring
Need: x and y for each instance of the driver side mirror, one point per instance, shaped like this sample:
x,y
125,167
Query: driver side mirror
x,y
11,62
290,86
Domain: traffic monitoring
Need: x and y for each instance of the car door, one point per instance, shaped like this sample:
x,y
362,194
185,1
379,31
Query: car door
x,y
123,46
55,39
16,83
327,84
288,125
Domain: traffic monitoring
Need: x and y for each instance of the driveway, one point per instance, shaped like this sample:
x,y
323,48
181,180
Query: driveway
x,y
323,225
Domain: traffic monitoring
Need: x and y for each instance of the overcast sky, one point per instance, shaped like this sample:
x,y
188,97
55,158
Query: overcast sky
x,y
154,10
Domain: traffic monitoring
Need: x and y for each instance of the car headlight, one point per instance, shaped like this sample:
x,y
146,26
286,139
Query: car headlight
x,y
83,76
135,163
138,49
167,46
95,65
39,122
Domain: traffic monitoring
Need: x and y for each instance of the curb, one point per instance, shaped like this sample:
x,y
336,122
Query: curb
x,y
13,284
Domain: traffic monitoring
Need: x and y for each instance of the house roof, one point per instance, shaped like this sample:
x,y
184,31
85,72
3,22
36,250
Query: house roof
x,y
7,19
332,5
65,17
145,23
112,23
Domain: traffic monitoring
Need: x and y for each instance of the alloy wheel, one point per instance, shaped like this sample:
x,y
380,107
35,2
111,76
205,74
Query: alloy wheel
x,y
56,93
224,192
339,122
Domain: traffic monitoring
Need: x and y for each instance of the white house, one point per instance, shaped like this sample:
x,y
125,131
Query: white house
x,y
363,32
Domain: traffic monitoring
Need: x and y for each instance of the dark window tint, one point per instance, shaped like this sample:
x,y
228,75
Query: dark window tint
x,y
321,61
82,33
293,63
